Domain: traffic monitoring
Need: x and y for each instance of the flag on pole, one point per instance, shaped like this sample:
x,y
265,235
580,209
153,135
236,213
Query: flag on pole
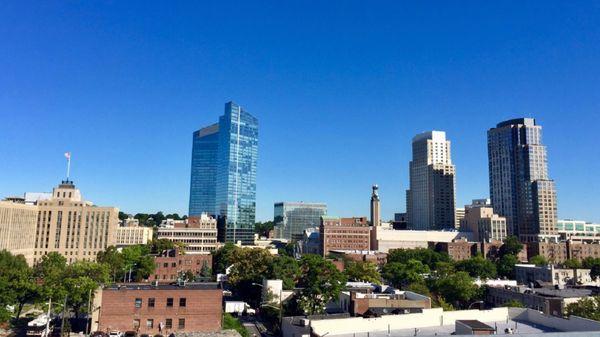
x,y
68,155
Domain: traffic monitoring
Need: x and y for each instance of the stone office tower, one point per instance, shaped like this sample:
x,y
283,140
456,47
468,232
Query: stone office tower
x,y
520,188
430,201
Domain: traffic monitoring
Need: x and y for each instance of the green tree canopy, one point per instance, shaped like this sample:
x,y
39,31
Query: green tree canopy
x,y
511,246
362,271
426,256
457,288
572,264
249,266
538,260
586,307
506,266
263,228
320,281
477,266
223,257
17,284
401,274
285,268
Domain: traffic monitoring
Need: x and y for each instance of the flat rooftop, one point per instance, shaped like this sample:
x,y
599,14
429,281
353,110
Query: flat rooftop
x,y
149,286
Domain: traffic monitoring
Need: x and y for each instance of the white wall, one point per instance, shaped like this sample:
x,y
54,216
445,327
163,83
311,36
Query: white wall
x,y
574,323
428,318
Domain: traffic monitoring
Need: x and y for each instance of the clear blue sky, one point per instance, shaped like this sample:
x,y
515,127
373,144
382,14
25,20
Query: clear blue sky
x,y
339,88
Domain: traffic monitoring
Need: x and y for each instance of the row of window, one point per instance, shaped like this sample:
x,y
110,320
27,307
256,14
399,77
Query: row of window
x,y
152,302
167,325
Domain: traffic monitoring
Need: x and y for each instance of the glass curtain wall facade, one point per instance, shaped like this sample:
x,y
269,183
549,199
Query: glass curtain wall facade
x,y
292,218
236,174
204,171
223,177
520,188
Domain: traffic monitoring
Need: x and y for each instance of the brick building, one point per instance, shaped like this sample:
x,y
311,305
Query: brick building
x,y
561,251
170,264
458,249
491,250
162,309
344,234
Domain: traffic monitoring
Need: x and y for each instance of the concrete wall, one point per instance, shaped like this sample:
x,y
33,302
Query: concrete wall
x,y
574,323
428,318
409,239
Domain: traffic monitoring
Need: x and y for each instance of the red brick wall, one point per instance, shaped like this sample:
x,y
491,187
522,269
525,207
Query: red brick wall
x,y
179,263
202,312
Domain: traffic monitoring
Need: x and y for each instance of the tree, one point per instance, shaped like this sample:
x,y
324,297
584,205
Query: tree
x,y
159,245
123,216
538,260
402,274
424,255
572,264
249,266
17,285
513,304
50,272
137,262
205,271
457,288
114,260
320,281
588,307
287,250
594,265
511,246
362,271
263,228
506,266
223,257
81,279
419,288
477,266
443,269
285,268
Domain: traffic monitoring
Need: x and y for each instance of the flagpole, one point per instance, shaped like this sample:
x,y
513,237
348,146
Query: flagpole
x,y
68,166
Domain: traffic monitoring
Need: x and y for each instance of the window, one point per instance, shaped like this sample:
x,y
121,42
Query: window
x,y
169,323
151,302
138,302
149,323
173,264
166,264
181,323
136,324
169,302
182,302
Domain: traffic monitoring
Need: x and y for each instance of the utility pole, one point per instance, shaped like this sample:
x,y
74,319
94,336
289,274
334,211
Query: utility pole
x,y
89,318
62,324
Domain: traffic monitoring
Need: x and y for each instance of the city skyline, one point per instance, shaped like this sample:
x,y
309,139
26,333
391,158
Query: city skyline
x,y
325,98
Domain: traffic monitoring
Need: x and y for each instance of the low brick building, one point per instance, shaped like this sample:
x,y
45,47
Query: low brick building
x,y
170,264
491,250
561,251
158,309
344,234
458,249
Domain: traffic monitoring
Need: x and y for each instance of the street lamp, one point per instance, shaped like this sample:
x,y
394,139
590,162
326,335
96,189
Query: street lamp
x,y
476,302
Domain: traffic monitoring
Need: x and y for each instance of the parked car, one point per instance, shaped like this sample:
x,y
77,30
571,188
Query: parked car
x,y
115,334
99,334
130,334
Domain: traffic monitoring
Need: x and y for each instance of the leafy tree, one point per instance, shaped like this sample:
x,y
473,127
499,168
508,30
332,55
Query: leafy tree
x,y
173,216
285,268
159,245
223,257
81,279
248,269
50,271
320,281
114,260
362,271
511,246
205,271
538,260
572,264
287,250
263,228
137,262
401,274
513,304
419,288
506,266
477,266
232,323
457,288
426,256
443,269
594,265
17,285
123,216
187,276
588,307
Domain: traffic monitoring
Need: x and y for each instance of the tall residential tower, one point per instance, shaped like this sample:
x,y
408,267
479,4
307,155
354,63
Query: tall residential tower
x,y
520,188
430,201
223,177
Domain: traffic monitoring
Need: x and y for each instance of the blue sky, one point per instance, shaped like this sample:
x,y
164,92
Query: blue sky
x,y
339,87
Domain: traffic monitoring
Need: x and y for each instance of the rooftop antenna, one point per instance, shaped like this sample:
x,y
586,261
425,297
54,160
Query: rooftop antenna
x,y
68,156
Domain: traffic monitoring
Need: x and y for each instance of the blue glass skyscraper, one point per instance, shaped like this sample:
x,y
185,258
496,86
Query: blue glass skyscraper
x,y
223,179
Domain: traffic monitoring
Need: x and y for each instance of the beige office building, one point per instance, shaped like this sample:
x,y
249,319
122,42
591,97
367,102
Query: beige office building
x,y
133,235
198,234
75,228
17,228
483,223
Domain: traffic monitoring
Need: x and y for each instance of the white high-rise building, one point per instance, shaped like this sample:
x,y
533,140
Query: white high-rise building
x,y
430,201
